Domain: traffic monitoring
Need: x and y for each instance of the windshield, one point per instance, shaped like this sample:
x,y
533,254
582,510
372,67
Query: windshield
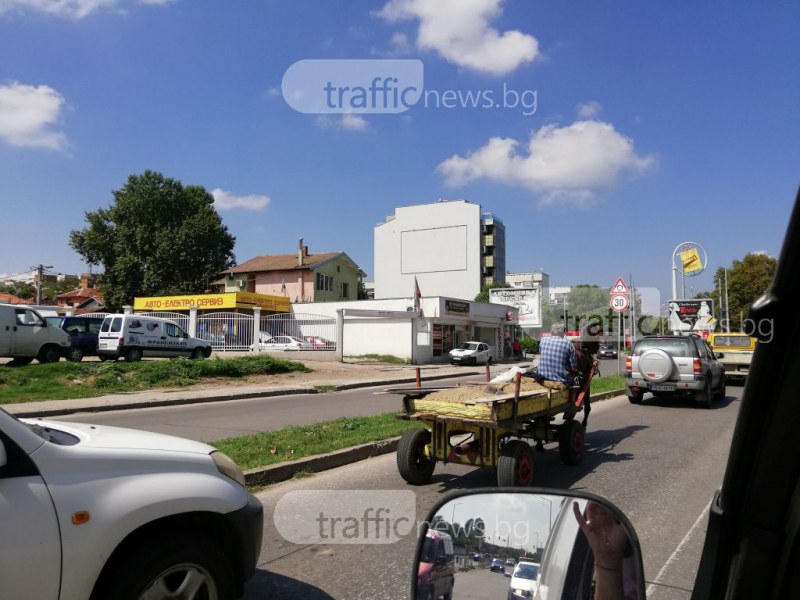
x,y
428,549
674,347
721,341
467,346
526,571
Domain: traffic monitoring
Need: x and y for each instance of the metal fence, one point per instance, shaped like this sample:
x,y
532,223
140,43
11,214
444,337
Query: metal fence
x,y
318,332
177,318
226,330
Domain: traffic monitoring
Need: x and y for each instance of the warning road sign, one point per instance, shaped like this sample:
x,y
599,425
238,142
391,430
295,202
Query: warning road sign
x,y
619,287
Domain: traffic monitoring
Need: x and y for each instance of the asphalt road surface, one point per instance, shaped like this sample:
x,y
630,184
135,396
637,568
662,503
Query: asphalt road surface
x,y
659,462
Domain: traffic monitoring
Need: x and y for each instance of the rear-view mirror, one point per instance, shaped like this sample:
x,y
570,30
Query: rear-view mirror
x,y
549,546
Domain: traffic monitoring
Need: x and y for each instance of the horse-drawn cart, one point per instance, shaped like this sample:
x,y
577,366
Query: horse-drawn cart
x,y
486,425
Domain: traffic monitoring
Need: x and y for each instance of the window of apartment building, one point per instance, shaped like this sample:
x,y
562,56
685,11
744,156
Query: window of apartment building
x,y
324,282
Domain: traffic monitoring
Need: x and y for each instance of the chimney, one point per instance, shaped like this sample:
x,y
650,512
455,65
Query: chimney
x,y
300,253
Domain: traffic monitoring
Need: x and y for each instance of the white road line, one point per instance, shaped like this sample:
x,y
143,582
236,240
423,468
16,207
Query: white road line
x,y
654,584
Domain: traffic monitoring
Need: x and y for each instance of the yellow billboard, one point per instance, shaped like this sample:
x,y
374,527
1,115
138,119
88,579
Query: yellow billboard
x,y
208,301
690,259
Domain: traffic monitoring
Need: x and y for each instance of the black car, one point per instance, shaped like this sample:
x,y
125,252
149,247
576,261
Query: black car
x,y
83,335
607,351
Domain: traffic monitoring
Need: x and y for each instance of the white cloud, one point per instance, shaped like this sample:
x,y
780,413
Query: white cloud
x,y
565,164
75,9
225,200
459,31
347,122
589,110
28,114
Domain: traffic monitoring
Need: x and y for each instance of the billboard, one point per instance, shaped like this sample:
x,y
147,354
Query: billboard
x,y
528,301
691,316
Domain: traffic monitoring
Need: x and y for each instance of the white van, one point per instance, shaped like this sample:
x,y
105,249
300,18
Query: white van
x,y
134,337
25,335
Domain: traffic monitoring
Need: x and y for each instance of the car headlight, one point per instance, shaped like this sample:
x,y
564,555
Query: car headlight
x,y
227,467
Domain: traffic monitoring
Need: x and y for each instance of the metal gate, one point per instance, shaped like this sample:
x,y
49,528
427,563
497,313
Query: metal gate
x,y
226,330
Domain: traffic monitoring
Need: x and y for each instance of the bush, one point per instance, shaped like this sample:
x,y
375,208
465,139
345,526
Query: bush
x,y
529,345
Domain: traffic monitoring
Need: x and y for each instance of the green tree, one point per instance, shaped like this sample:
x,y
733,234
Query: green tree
x,y
19,289
52,289
483,295
748,279
158,237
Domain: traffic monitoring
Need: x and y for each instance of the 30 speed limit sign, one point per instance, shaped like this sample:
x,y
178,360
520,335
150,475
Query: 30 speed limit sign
x,y
619,302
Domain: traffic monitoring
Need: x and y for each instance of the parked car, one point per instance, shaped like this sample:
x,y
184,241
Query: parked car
x,y
497,565
471,353
523,584
436,570
90,511
285,342
83,334
318,343
25,335
674,364
607,351
510,561
134,337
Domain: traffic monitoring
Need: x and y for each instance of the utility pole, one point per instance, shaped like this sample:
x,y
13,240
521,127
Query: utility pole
x,y
39,275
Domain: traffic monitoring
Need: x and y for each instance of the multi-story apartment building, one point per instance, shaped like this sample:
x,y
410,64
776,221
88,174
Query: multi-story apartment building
x,y
449,248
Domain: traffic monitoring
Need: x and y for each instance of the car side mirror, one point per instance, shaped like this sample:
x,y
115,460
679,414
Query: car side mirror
x,y
572,545
441,560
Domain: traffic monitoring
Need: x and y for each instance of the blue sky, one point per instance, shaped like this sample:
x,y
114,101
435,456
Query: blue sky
x,y
653,125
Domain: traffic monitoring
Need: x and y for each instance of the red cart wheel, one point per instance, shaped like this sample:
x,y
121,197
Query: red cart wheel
x,y
570,442
515,464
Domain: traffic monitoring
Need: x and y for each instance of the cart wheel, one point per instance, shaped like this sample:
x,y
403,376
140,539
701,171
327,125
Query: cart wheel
x,y
570,442
515,464
412,462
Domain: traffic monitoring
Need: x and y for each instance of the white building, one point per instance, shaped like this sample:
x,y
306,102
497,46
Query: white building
x,y
391,326
449,247
536,279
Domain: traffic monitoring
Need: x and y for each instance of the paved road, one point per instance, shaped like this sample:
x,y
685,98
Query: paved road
x,y
660,463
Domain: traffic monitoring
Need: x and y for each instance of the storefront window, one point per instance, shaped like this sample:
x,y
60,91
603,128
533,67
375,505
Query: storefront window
x,y
443,339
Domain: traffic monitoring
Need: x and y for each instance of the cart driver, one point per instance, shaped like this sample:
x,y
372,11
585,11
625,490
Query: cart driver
x,y
558,360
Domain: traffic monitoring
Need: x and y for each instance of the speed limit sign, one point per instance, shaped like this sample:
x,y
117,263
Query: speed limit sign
x,y
619,303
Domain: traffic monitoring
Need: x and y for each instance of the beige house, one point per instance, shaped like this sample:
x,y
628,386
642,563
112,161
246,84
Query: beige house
x,y
300,277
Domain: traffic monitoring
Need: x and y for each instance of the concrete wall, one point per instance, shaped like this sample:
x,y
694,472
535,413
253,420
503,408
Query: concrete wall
x,y
438,243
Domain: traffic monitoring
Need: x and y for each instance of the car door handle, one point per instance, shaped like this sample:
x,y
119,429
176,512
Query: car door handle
x,y
163,337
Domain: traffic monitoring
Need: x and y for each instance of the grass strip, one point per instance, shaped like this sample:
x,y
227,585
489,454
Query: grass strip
x,y
65,380
608,383
301,441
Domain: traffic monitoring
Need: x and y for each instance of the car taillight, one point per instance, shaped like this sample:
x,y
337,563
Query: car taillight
x,y
696,364
629,364
121,341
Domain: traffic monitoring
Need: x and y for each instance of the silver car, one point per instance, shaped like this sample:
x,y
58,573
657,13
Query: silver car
x,y
673,364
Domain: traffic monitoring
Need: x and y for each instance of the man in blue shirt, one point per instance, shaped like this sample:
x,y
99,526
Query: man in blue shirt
x,y
557,358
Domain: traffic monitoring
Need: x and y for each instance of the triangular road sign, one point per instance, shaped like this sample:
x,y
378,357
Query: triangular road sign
x,y
619,287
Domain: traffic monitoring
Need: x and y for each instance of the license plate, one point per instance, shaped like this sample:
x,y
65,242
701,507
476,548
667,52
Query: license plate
x,y
456,358
662,388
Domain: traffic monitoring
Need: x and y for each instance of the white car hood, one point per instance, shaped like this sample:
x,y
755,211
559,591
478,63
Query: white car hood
x,y
467,352
119,438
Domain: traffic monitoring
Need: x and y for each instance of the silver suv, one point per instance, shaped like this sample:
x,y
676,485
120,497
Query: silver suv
x,y
665,365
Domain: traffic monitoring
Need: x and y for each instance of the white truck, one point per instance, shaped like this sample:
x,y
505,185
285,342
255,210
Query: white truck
x,y
94,512
25,335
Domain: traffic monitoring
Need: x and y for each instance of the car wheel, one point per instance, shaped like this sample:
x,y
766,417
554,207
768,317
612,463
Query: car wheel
x,y
570,442
133,355
197,354
720,395
704,396
515,464
49,354
75,355
636,398
414,465
180,565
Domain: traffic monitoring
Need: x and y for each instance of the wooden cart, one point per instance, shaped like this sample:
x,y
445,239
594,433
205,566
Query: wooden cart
x,y
496,429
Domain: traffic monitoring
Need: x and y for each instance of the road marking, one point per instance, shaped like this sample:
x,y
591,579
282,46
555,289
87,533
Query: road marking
x,y
657,581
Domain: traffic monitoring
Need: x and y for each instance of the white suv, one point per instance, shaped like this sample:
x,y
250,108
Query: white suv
x,y
97,512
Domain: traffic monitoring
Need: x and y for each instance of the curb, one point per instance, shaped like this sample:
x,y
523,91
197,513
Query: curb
x,y
179,401
283,471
